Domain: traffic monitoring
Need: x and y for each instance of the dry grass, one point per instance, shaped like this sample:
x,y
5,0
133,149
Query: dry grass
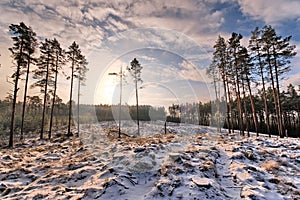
x,y
262,151
270,165
222,139
155,139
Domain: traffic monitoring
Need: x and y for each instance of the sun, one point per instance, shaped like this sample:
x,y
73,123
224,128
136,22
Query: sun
x,y
106,90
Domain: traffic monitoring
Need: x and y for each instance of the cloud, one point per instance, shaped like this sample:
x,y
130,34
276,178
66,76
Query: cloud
x,y
85,22
90,22
190,72
181,32
271,11
187,17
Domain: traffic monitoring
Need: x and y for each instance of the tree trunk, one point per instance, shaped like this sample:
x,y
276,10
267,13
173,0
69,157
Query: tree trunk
x,y
237,89
25,98
217,101
77,134
53,99
12,122
245,108
45,101
70,101
230,105
227,106
281,125
274,93
137,103
252,106
264,92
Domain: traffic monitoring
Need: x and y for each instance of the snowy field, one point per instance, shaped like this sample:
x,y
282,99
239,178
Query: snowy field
x,y
190,162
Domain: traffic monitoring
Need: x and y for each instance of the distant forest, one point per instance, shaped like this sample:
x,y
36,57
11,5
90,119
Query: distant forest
x,y
192,113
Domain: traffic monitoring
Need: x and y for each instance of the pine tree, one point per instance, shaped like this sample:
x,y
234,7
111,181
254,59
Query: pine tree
x,y
282,53
218,72
44,76
255,48
290,106
213,71
268,56
234,46
19,53
75,57
59,60
267,38
31,44
278,54
135,71
247,69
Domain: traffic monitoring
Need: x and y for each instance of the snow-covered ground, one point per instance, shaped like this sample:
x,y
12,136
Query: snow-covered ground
x,y
190,162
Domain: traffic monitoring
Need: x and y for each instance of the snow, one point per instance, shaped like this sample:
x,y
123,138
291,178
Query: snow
x,y
189,162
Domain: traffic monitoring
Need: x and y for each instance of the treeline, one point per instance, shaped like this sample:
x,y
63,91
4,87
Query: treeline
x,y
42,61
207,113
251,82
146,112
87,114
105,112
33,117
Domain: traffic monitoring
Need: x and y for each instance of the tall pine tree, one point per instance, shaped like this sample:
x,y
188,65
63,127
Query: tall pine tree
x,y
136,71
278,53
58,61
31,44
44,77
75,57
234,47
255,48
20,53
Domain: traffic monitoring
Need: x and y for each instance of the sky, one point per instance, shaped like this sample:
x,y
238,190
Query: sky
x,y
172,40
